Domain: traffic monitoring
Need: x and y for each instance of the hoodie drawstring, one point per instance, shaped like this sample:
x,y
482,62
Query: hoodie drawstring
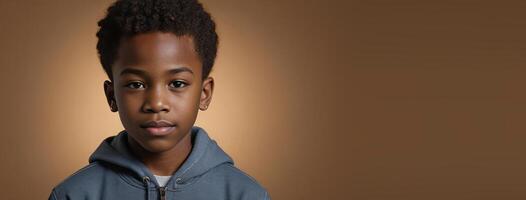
x,y
146,181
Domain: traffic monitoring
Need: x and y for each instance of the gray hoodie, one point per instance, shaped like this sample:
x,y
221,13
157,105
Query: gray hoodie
x,y
113,173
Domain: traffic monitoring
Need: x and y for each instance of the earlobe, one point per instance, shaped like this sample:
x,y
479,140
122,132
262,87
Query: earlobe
x,y
113,106
203,108
206,93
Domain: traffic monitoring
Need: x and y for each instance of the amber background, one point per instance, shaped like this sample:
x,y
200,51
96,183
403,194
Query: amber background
x,y
316,99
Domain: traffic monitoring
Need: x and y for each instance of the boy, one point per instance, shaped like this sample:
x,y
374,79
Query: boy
x,y
158,55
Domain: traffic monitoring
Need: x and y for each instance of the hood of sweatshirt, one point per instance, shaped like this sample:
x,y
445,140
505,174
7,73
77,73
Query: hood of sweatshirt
x,y
205,155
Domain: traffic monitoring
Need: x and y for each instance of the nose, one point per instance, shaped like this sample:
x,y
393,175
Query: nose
x,y
156,100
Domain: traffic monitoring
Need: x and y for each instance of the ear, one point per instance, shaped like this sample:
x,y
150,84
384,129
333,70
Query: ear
x,y
206,93
110,95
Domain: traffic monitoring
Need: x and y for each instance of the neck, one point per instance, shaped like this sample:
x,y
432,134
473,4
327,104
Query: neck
x,y
163,163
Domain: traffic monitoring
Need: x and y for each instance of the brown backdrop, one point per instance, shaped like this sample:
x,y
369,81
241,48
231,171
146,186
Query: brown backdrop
x,y
316,99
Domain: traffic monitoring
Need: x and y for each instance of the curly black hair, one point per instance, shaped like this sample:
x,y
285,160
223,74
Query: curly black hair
x,y
126,18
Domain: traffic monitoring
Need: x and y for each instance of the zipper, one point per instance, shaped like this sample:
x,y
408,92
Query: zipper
x,y
162,193
146,181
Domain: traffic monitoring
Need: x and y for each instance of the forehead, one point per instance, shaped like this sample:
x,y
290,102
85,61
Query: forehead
x,y
157,51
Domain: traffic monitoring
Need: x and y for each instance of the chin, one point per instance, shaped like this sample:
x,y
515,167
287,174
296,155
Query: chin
x,y
153,145
157,145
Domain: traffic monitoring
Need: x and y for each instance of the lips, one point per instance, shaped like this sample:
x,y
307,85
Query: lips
x,y
159,127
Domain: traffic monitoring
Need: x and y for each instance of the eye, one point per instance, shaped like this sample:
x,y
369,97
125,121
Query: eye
x,y
178,84
135,85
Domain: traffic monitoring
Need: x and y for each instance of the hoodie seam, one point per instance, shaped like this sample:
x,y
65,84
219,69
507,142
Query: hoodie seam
x,y
129,181
54,195
77,172
84,169
190,185
254,181
200,178
240,171
196,160
122,175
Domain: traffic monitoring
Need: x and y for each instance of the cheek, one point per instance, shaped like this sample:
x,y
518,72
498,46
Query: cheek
x,y
186,101
131,101
129,105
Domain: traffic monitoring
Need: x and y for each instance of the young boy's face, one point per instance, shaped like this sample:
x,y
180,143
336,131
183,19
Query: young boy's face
x,y
158,89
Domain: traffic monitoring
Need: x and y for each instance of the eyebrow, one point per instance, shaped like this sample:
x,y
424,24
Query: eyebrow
x,y
142,72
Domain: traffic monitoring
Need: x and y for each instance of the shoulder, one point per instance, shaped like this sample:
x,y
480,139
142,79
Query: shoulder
x,y
240,182
78,182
